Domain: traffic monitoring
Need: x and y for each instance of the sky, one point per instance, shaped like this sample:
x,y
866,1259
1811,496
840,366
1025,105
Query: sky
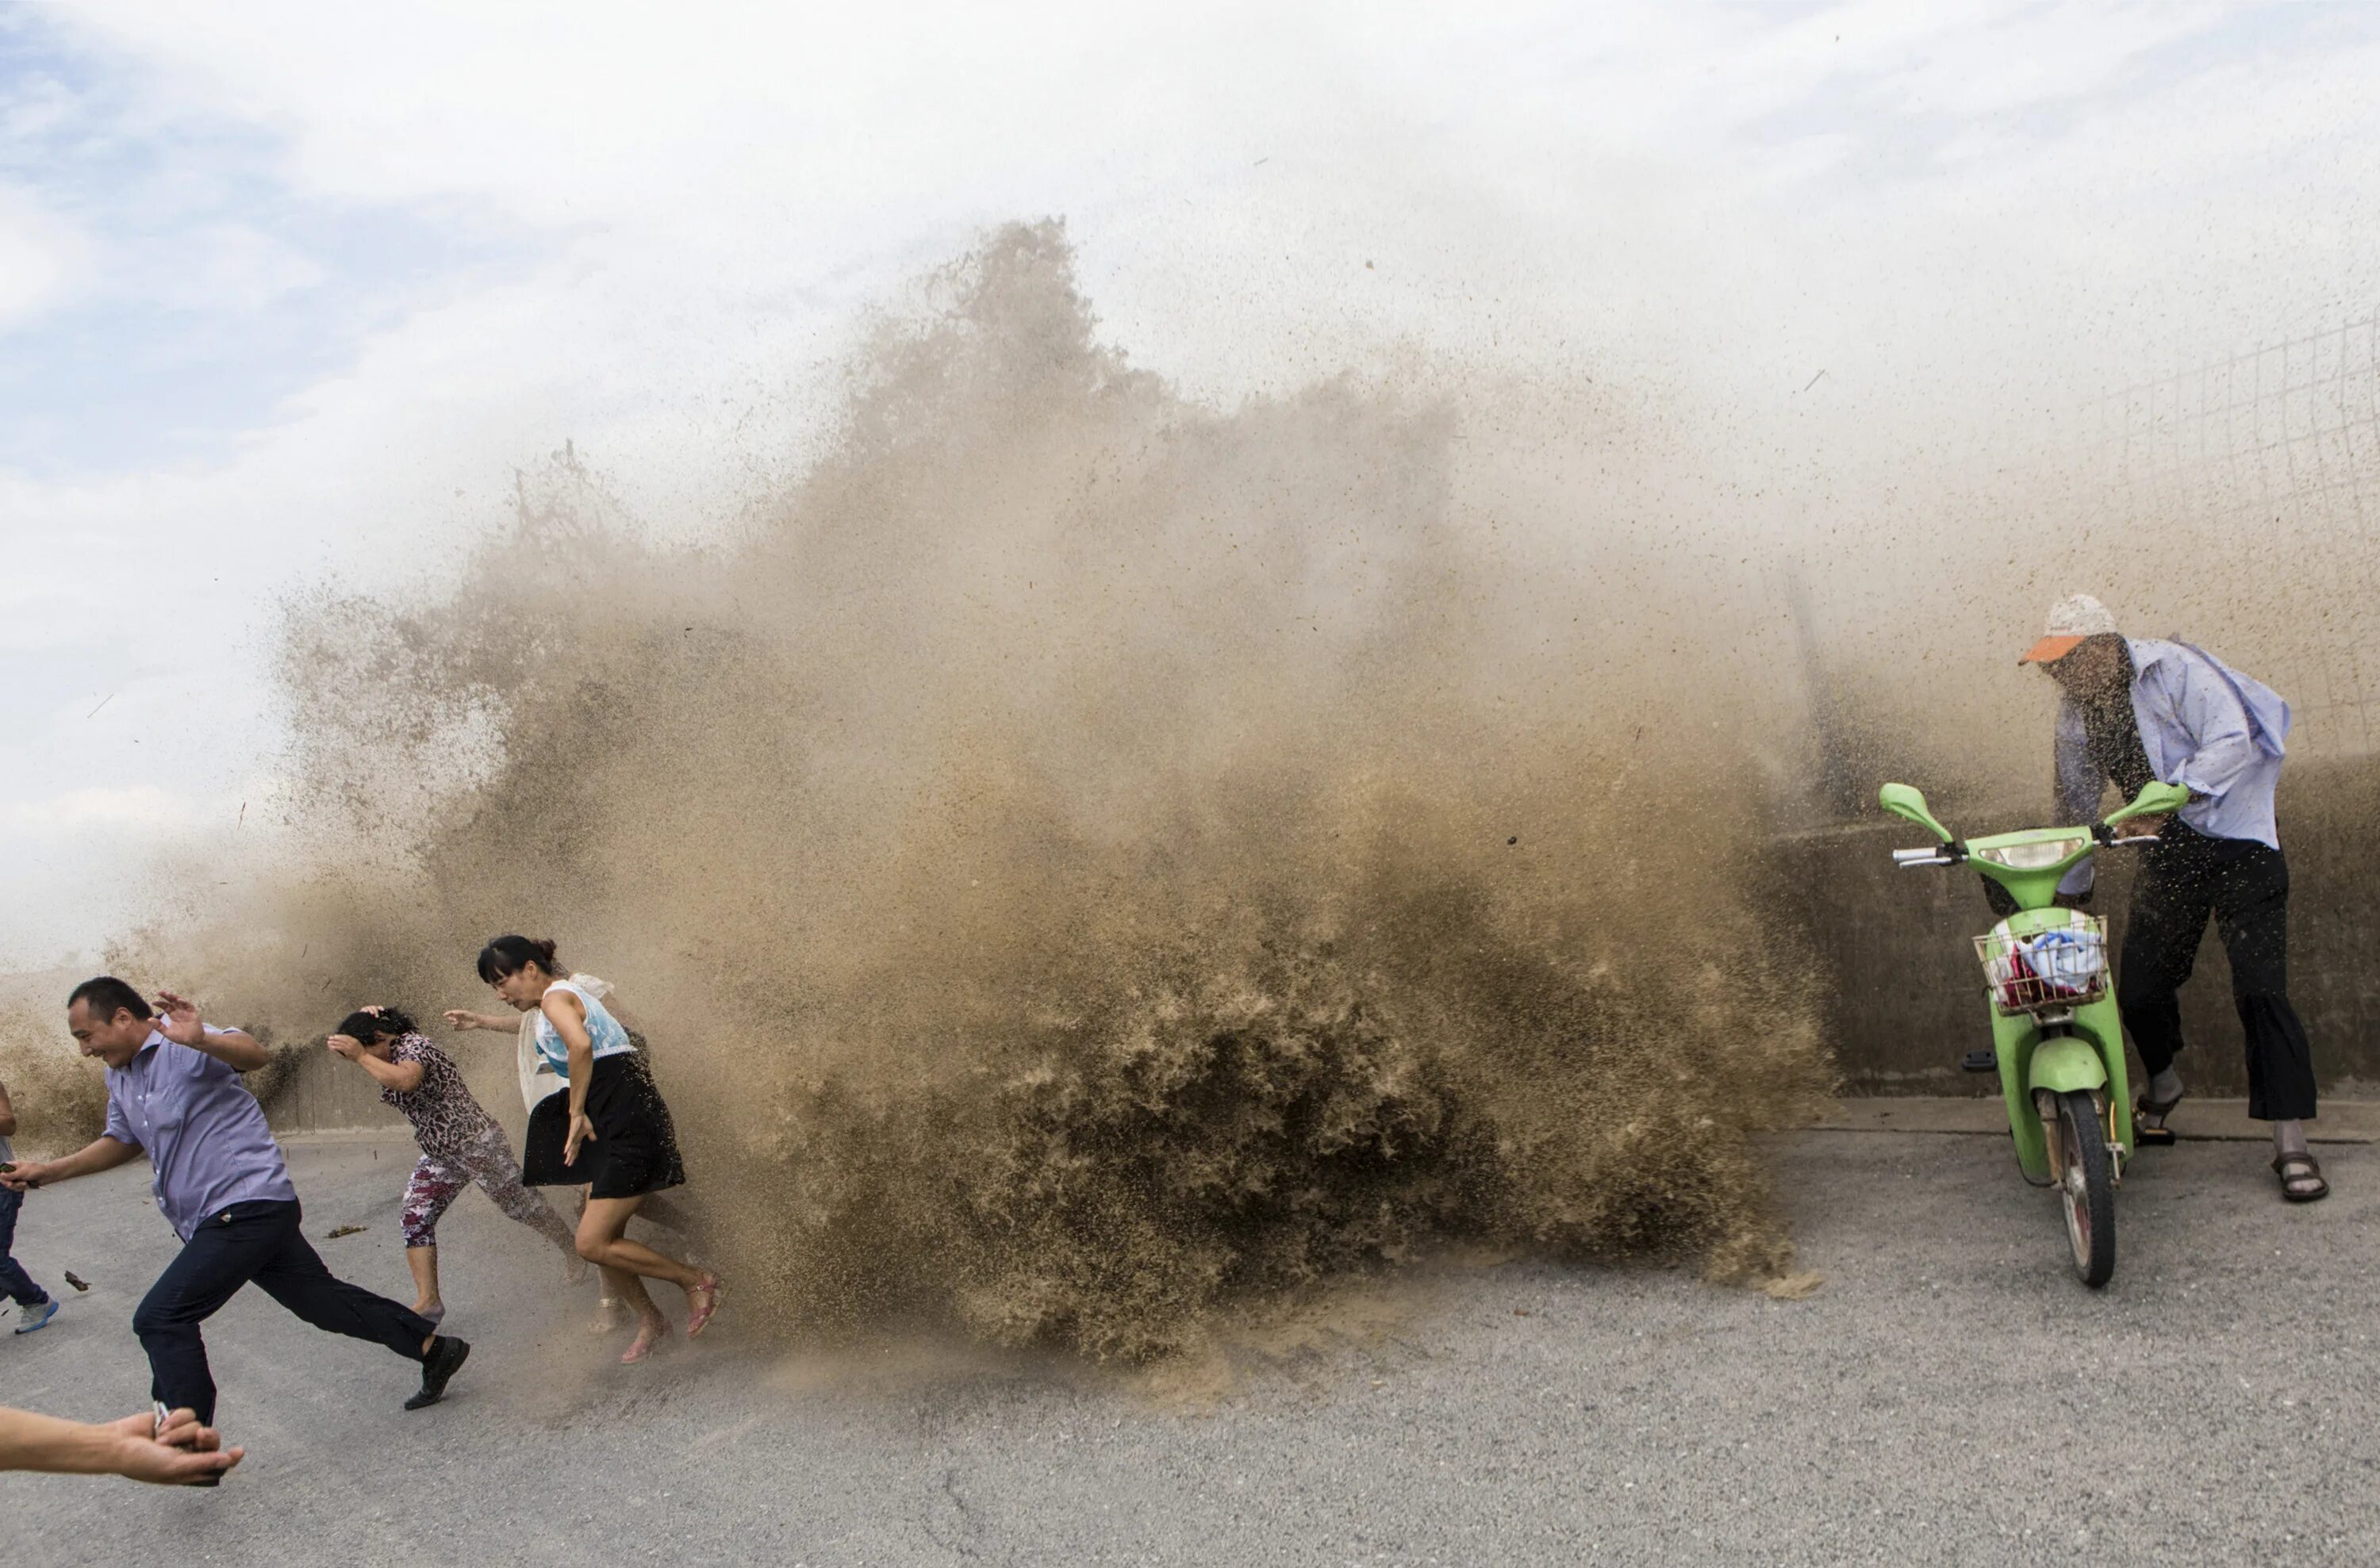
x,y
289,292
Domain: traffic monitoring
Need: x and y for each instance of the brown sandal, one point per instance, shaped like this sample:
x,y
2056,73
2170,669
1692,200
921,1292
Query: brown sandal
x,y
2312,1171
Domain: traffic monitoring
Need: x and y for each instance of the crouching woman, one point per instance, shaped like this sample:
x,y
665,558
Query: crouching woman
x,y
461,1144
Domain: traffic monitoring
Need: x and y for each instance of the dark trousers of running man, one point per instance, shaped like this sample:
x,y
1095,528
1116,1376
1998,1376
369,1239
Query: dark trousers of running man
x,y
258,1243
2186,879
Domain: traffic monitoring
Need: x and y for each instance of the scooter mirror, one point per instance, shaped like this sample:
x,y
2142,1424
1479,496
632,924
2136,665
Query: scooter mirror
x,y
1907,801
2154,800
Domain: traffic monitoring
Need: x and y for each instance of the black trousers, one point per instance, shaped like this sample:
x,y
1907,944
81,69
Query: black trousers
x,y
259,1242
2185,878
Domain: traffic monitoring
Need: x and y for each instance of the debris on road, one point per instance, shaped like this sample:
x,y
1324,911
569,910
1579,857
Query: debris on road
x,y
345,1230
1792,1287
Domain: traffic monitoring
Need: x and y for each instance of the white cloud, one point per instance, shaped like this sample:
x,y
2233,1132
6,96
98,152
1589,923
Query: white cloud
x,y
43,256
230,266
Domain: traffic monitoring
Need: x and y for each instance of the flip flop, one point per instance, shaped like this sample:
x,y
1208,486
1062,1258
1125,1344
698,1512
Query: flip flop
x,y
643,1348
2155,1137
697,1318
2284,1163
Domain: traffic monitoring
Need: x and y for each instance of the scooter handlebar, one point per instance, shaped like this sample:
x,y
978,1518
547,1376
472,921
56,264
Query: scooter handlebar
x,y
1909,860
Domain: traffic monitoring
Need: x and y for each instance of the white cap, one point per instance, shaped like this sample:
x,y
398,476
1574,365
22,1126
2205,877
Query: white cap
x,y
2071,619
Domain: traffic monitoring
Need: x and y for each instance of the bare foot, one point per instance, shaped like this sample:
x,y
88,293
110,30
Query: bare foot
x,y
702,1303
649,1334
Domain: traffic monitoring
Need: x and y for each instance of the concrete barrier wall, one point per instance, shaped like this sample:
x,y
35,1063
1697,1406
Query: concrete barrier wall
x,y
1905,992
319,1094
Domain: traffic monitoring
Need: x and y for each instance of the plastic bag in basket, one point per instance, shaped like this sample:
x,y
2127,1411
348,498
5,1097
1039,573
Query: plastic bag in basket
x,y
2066,962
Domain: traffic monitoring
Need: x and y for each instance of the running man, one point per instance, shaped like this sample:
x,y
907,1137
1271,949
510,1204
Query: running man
x,y
173,1090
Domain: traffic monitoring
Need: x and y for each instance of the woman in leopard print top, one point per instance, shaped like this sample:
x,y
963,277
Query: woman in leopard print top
x,y
460,1144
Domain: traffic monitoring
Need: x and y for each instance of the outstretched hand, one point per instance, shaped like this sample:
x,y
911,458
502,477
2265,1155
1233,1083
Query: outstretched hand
x,y
178,1018
462,1021
175,1452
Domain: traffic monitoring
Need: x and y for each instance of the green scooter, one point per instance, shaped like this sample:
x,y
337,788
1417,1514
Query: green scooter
x,y
2054,1028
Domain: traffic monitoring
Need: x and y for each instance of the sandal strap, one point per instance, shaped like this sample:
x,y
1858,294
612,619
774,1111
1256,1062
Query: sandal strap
x,y
2282,1161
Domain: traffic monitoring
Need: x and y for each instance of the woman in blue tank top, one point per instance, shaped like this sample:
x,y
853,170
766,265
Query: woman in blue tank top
x,y
609,1131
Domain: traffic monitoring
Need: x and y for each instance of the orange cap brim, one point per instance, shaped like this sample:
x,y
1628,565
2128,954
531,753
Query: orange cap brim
x,y
2050,650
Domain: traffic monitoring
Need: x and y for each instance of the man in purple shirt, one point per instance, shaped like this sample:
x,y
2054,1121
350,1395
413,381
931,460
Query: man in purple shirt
x,y
173,1089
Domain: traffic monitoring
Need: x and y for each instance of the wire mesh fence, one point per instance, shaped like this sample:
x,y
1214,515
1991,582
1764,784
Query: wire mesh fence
x,y
2269,461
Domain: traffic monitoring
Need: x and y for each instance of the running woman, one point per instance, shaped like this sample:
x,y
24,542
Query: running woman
x,y
610,1130
460,1144
538,1081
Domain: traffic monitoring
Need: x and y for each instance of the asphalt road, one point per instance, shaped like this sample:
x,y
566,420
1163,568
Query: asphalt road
x,y
1949,1394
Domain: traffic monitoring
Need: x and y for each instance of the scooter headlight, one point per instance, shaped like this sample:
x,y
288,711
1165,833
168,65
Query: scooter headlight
x,y
2033,857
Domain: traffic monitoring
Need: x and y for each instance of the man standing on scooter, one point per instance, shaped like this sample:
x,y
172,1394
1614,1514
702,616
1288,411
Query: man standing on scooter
x,y
2136,710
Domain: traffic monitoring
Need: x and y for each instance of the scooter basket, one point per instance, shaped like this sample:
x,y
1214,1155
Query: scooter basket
x,y
2046,971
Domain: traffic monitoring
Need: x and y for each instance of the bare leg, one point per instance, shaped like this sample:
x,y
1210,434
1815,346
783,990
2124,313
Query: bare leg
x,y
608,1305
627,1290
623,1289
601,1241
423,1261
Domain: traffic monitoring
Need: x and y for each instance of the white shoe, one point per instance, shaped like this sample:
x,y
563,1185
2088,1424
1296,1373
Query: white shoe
x,y
31,1315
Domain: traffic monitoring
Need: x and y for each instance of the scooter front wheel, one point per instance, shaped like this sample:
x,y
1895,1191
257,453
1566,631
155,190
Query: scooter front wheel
x,y
2086,1191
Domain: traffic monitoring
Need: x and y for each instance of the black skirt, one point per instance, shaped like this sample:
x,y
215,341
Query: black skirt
x,y
634,1149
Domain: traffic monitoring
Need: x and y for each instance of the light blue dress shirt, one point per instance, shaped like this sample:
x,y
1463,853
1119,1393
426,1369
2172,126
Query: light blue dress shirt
x,y
2205,726
204,1133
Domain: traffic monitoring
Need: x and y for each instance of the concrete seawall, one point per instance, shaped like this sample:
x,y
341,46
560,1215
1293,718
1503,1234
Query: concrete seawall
x,y
1905,995
320,1093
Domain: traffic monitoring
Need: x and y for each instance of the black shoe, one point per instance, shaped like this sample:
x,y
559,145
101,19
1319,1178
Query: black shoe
x,y
445,1358
1980,1061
